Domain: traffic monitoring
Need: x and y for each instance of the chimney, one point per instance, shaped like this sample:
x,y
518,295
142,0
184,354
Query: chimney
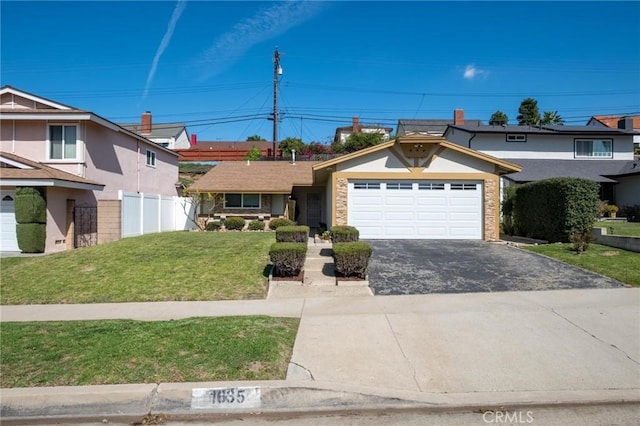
x,y
146,123
356,125
194,139
458,117
625,123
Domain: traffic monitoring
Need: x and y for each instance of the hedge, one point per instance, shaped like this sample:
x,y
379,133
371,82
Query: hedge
x,y
287,258
344,234
31,237
234,223
30,206
274,224
554,209
292,234
352,258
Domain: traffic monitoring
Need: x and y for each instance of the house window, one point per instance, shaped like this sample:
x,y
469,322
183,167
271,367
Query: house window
x,y
242,201
151,158
599,148
516,138
62,142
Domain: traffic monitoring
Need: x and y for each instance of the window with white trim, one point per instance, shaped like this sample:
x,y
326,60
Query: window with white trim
x,y
242,201
366,185
594,148
463,187
400,185
431,186
516,138
63,141
151,158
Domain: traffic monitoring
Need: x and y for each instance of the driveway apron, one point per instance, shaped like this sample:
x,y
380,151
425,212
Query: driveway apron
x,y
465,266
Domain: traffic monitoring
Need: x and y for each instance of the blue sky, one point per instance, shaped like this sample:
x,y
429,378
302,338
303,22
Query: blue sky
x,y
209,63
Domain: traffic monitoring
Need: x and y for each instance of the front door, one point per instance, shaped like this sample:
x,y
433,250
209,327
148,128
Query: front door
x,y
313,210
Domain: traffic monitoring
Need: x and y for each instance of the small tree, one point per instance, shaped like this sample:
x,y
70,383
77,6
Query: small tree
x,y
193,203
254,154
551,117
498,118
529,114
288,144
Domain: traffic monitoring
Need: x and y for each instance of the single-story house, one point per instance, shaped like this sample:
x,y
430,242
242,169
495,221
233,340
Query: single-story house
x,y
416,187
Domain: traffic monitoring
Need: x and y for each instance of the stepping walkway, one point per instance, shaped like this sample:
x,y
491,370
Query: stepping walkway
x,y
319,277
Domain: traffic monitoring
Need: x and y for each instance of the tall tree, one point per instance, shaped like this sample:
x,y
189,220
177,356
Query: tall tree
x,y
255,138
551,117
529,114
498,118
288,144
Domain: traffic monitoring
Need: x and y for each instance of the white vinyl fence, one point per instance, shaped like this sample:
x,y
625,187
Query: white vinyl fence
x,y
148,213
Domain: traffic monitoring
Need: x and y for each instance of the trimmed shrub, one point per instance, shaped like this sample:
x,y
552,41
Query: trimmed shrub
x,y
292,234
287,258
274,224
553,209
632,213
30,206
344,234
507,210
234,223
214,225
31,237
256,225
352,259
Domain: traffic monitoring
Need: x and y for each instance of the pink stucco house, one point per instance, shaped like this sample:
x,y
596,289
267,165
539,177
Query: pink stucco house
x,y
83,162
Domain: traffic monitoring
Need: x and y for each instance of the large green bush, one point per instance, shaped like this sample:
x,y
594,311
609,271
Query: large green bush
x,y
554,209
344,234
274,224
30,206
234,223
352,258
287,258
292,234
256,225
31,237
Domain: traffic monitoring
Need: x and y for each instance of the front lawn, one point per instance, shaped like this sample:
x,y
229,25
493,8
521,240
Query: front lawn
x,y
71,353
157,267
631,229
615,263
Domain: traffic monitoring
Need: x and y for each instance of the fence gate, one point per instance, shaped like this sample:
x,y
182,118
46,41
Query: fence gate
x,y
85,226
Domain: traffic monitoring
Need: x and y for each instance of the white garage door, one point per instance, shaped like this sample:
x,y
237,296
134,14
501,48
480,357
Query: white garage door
x,y
416,209
8,240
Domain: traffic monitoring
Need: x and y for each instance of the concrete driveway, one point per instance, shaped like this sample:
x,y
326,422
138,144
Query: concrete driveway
x,y
464,266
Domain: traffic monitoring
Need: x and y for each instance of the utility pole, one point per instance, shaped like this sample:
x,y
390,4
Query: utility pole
x,y
277,71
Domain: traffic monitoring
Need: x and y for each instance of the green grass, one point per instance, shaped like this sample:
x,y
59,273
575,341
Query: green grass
x,y
631,229
157,267
615,263
117,352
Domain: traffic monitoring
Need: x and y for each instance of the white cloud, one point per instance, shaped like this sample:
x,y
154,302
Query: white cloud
x,y
177,11
264,25
471,72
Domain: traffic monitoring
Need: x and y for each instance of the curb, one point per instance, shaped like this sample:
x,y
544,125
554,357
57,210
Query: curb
x,y
131,403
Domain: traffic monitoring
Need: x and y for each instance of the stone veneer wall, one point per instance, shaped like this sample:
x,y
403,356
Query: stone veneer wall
x,y
491,209
341,197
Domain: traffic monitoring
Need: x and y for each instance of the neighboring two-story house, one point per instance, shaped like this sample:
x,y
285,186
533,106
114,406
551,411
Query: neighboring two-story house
x,y
168,135
82,162
343,133
599,153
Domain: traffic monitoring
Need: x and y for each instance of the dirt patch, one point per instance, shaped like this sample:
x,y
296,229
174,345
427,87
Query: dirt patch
x,y
611,253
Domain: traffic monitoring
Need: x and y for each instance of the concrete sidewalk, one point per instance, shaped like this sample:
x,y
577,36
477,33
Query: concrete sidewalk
x,y
437,351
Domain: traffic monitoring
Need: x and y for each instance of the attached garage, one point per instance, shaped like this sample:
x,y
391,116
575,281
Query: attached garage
x,y
405,209
415,187
8,239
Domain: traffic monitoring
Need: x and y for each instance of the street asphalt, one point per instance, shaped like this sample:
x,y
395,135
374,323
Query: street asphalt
x,y
469,351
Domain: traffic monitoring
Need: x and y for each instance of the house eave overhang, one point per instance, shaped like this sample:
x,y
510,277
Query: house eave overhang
x,y
59,183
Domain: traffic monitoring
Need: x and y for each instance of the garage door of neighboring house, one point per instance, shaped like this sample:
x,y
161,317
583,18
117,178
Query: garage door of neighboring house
x,y
416,209
8,239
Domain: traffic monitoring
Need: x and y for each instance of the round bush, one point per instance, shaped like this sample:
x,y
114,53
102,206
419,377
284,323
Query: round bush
x,y
281,221
234,223
256,225
213,226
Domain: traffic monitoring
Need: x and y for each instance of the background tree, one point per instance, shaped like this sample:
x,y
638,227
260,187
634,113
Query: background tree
x,y
498,118
358,141
254,154
529,114
551,117
255,138
286,145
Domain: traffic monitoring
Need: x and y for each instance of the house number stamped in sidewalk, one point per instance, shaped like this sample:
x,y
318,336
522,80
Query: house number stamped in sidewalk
x,y
225,398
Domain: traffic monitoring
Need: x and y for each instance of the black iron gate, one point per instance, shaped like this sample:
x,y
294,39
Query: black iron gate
x,y
85,226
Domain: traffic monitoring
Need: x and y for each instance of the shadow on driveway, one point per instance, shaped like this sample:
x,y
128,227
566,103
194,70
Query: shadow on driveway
x,y
465,266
